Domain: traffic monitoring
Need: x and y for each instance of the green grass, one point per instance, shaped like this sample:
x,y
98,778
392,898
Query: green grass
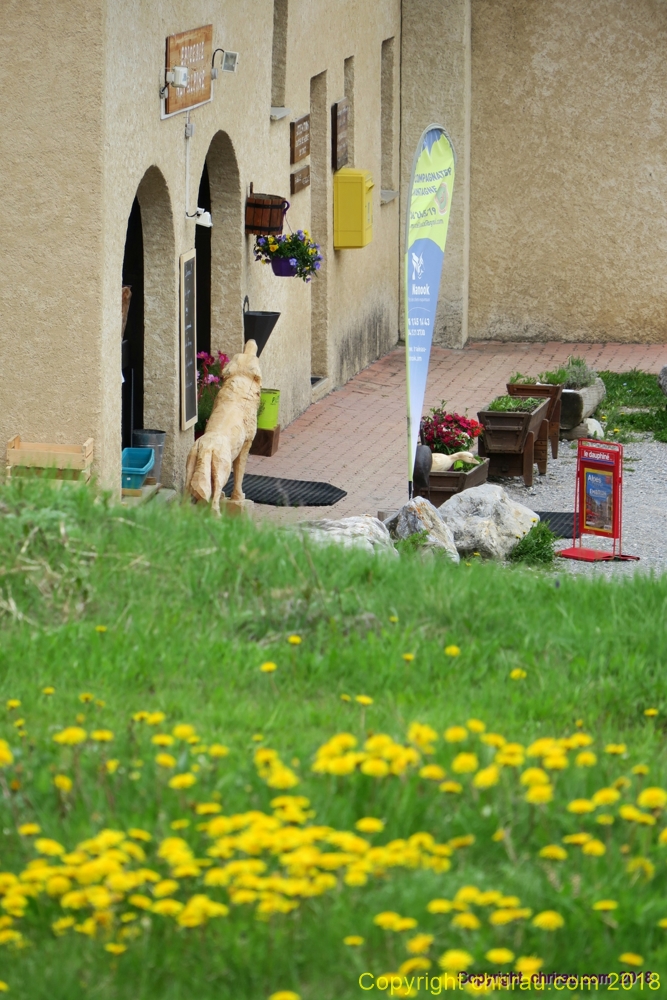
x,y
536,548
192,606
514,404
639,391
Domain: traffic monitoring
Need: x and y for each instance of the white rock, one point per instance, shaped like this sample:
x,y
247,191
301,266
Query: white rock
x,y
353,532
485,519
418,515
589,428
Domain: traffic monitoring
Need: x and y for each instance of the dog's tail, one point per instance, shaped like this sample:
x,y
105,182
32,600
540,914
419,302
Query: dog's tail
x,y
199,472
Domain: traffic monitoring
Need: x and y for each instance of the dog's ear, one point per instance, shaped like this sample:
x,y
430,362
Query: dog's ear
x,y
250,348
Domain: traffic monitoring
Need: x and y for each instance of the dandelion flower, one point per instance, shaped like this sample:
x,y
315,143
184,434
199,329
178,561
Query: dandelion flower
x,y
499,956
71,736
387,920
86,697
652,798
534,776
580,806
294,640
640,769
650,712
393,619
114,948
363,699
605,797
453,787
528,965
455,734
183,731
369,824
465,763
594,848
182,781
3,986
155,718
615,748
553,852
139,834
605,904
487,777
345,697
455,960
218,750
353,941
466,921
452,650
440,906
48,690
112,766
539,794
29,829
101,735
548,920
419,944
631,958
499,836
662,923
517,674
408,657
432,772
586,759
285,995
63,783
100,628
165,760
13,703
51,848
268,667
475,725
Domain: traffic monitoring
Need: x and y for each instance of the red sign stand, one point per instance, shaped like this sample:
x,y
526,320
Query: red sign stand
x,y
598,500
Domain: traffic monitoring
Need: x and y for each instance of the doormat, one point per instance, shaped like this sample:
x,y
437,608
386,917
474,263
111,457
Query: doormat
x,y
287,492
560,522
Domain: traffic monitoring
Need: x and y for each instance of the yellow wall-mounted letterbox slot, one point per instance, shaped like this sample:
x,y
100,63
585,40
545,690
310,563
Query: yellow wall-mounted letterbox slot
x,y
353,208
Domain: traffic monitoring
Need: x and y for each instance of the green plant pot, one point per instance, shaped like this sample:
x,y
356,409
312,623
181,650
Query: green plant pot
x,y
269,405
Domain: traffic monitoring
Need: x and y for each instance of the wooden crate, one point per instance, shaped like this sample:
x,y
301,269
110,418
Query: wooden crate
x,y
53,461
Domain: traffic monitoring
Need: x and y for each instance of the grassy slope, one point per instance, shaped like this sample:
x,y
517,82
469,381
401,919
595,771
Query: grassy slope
x,y
193,606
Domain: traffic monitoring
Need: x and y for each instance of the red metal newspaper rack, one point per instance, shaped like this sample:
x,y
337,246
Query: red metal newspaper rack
x,y
598,500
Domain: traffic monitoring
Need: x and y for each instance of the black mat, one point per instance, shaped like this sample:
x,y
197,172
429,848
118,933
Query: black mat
x,y
287,492
560,522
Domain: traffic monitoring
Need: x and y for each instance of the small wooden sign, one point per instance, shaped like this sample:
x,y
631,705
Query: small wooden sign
x,y
192,49
299,180
339,118
299,139
188,269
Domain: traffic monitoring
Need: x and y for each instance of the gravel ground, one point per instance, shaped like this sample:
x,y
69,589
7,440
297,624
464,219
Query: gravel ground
x,y
644,506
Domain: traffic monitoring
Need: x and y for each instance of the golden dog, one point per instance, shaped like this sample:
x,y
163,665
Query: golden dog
x,y
229,432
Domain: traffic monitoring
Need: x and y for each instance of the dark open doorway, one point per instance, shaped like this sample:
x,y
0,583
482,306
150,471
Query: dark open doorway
x,y
133,341
203,248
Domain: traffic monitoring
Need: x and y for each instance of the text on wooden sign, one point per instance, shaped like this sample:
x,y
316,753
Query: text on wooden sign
x,y
192,49
299,139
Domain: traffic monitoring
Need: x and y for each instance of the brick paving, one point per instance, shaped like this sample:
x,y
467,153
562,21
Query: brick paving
x,y
355,438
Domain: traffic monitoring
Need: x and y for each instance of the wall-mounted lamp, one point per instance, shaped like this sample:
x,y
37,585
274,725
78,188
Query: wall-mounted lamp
x,y
201,217
229,64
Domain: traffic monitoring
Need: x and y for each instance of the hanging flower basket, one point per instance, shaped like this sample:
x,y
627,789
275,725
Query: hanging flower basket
x,y
294,255
283,268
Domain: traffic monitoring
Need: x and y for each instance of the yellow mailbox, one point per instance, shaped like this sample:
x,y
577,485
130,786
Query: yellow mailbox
x,y
353,208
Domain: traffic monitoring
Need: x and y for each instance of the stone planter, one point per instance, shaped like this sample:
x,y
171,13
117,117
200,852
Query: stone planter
x,y
554,394
577,404
510,439
443,485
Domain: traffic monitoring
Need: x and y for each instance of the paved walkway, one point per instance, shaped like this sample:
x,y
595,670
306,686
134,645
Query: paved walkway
x,y
354,438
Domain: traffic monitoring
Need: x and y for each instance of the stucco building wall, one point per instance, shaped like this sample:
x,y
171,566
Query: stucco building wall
x,y
88,141
568,214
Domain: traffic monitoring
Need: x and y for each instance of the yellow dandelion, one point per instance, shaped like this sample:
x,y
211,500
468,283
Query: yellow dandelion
x,y
112,766
165,760
465,763
268,667
453,787
548,920
100,628
218,750
345,697
652,798
101,735
631,958
182,781
517,674
63,783
455,960
363,699
353,941
369,824
48,690
452,650
553,852
408,657
476,725
641,769
580,806
86,697
114,948
615,748
605,905
294,640
393,619
13,703
455,734
499,956
29,829
71,736
650,712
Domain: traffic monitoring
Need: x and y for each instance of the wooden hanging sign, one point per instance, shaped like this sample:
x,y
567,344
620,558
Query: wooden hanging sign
x,y
299,139
299,180
192,49
339,122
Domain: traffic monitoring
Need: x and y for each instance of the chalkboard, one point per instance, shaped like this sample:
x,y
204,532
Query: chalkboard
x,y
188,263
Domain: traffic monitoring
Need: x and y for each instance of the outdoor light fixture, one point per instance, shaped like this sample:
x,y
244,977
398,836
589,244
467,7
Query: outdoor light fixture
x,y
178,77
230,62
201,217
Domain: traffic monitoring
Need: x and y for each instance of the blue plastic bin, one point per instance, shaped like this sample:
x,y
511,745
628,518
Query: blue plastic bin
x,y
136,464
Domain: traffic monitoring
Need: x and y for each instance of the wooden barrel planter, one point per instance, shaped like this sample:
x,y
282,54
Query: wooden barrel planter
x,y
509,439
443,485
265,213
554,393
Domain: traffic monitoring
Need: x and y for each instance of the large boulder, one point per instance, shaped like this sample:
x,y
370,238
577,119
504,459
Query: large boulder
x,y
662,379
485,519
356,532
420,515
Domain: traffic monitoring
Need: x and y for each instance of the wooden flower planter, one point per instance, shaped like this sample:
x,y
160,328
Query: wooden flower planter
x,y
555,394
443,485
51,461
509,440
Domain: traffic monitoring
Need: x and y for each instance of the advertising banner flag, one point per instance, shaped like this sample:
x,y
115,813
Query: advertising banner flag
x,y
429,203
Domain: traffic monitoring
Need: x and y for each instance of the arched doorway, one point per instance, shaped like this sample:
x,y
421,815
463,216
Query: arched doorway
x,y
220,251
150,360
133,337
